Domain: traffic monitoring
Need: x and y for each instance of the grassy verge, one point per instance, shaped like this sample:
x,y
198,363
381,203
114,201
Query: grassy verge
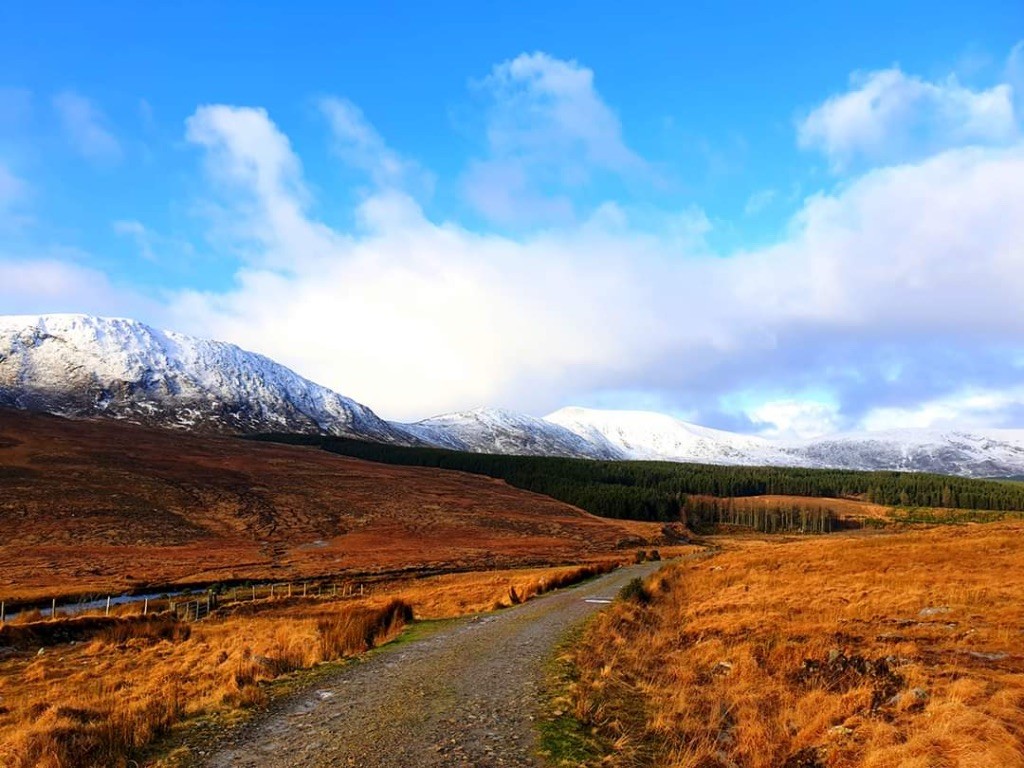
x,y
565,742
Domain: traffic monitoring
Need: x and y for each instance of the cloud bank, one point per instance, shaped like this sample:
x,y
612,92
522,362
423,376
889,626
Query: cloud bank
x,y
893,297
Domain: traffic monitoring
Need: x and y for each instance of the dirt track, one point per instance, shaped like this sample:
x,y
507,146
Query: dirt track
x,y
465,693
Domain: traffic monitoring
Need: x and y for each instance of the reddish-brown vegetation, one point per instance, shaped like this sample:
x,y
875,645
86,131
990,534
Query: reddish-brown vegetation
x,y
888,651
100,507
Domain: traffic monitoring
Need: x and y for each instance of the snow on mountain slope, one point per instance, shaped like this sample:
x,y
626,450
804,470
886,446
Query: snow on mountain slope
x,y
76,365
979,453
656,436
495,430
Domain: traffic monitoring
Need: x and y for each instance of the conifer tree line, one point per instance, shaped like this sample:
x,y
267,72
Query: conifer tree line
x,y
648,490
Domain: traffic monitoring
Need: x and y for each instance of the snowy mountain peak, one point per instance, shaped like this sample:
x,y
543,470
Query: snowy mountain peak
x,y
78,365
496,430
650,435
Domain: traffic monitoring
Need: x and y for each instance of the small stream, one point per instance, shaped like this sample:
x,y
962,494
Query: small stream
x,y
81,606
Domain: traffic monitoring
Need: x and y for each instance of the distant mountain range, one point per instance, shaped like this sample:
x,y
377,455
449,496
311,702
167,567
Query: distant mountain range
x,y
82,366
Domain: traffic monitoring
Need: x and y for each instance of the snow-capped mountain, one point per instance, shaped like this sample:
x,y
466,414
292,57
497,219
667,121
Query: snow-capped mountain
x,y
981,453
81,366
76,365
495,430
656,436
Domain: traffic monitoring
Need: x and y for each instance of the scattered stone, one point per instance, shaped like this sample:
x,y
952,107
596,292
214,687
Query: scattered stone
x,y
996,656
934,611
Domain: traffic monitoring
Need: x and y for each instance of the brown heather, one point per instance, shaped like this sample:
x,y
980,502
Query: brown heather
x,y
884,651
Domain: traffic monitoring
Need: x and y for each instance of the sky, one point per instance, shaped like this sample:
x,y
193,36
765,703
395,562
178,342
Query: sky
x,y
788,219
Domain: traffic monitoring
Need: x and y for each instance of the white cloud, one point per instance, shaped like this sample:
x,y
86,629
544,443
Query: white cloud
x,y
977,408
415,317
502,192
887,115
86,127
56,283
545,107
797,419
357,142
248,157
548,129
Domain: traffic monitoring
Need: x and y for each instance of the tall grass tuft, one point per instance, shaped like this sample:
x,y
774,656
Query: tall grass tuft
x,y
361,629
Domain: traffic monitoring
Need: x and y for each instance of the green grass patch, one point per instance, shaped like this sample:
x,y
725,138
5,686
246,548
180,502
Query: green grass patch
x,y
565,742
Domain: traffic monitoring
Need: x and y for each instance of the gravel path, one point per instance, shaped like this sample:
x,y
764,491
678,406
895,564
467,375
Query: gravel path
x,y
463,694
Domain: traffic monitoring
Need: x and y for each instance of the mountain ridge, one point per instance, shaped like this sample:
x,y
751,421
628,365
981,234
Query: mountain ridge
x,y
85,366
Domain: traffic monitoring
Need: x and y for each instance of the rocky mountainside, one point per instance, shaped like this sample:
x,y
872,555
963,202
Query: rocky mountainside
x,y
81,366
495,430
76,365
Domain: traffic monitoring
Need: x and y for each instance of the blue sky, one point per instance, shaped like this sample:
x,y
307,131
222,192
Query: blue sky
x,y
789,219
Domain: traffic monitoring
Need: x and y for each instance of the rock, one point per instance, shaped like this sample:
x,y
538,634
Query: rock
x,y
722,668
996,656
934,611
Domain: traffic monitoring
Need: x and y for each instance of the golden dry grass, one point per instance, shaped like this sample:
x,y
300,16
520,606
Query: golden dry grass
x,y
99,701
897,650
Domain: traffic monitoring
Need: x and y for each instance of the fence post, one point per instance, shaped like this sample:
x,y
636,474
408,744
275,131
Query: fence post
x,y
289,590
207,605
3,611
254,592
303,589
360,590
53,609
271,590
145,607
107,612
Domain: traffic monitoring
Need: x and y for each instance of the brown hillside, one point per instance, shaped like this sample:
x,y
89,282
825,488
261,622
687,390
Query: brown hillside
x,y
93,506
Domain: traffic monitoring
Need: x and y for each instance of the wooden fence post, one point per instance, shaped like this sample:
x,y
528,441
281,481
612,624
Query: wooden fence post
x,y
271,590
53,609
254,592
107,612
145,607
289,589
360,590
303,589
3,611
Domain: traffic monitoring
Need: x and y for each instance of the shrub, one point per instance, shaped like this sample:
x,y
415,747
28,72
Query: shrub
x,y
635,591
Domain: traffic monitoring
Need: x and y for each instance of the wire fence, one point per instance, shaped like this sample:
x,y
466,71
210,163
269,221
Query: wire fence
x,y
184,605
